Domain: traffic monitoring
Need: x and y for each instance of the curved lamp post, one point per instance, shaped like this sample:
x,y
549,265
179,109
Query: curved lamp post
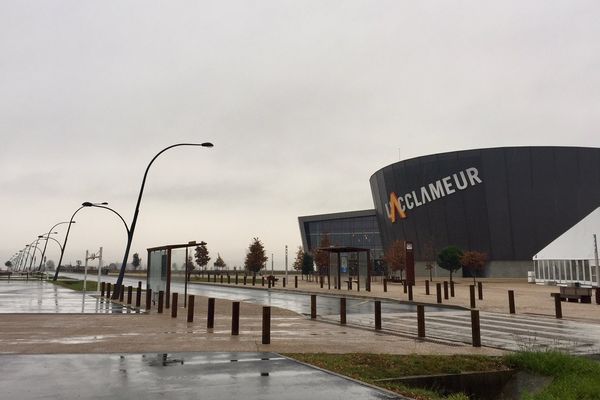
x,y
64,246
46,245
119,283
46,238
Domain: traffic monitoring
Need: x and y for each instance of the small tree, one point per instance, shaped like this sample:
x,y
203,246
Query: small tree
x,y
201,254
449,259
219,263
322,257
50,265
395,256
255,257
299,259
307,264
189,267
136,261
473,261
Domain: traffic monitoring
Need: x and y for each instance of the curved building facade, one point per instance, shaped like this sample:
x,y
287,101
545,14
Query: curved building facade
x,y
508,202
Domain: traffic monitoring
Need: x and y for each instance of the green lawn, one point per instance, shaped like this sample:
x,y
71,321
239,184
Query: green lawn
x,y
91,286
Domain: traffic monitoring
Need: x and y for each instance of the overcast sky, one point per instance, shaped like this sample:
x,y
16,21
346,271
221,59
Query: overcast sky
x,y
304,100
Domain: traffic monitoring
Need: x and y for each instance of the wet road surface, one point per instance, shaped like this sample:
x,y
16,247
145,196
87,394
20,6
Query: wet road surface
x,y
44,297
264,376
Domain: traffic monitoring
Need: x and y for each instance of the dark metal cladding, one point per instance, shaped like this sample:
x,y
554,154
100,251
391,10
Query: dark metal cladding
x,y
527,197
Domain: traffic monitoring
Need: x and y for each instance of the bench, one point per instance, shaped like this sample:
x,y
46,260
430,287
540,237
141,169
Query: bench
x,y
574,294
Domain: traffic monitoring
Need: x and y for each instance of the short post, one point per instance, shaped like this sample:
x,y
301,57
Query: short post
x,y
121,293
283,281
108,290
438,292
148,299
472,295
313,306
480,290
377,315
598,295
214,277
404,286
235,318
236,278
384,285
269,283
190,314
228,279
557,305
245,279
343,311
129,291
174,305
511,301
102,288
321,280
266,325
421,321
253,279
328,283
210,316
349,283
161,299
427,287
296,281
138,296
451,288
410,292
221,278
263,280
475,328
445,290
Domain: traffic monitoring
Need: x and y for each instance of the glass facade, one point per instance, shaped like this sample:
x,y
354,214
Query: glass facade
x,y
352,229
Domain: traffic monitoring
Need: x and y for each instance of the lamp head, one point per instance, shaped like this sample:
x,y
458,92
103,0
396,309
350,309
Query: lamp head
x,y
207,144
86,204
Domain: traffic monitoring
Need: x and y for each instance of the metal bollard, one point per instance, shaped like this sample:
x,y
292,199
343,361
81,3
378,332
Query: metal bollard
x,y
245,279
229,279
421,321
475,328
427,287
121,293
328,283
384,285
221,278
210,316
283,281
313,306
598,295
215,277
349,283
472,295
174,305
138,296
445,290
321,280
190,314
262,280
269,283
236,278
557,305
438,292
235,318
410,292
511,301
296,281
377,315
451,288
102,288
266,325
148,299
404,286
343,311
253,279
480,290
161,296
108,290
129,291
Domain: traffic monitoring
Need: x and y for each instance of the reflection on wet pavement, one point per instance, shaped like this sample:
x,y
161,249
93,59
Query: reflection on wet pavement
x,y
227,375
44,297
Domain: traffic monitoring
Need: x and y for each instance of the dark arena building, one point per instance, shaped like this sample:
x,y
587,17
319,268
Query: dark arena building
x,y
508,202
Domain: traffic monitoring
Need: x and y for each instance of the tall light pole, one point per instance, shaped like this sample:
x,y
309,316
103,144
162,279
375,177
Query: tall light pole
x,y
119,283
46,245
64,246
51,238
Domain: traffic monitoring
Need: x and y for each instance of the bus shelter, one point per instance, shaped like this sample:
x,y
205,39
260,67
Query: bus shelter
x,y
169,264
349,264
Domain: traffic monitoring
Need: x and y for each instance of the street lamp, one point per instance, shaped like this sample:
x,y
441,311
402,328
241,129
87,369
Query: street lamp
x,y
46,245
119,283
64,246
